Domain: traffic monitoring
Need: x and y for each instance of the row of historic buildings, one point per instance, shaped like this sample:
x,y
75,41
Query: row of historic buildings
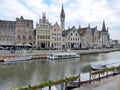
x,y
21,32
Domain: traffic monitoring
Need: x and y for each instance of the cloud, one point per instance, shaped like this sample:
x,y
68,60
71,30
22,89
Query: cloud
x,y
77,12
14,9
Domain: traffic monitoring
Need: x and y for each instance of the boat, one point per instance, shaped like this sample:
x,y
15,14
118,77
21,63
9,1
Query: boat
x,y
62,55
19,58
97,66
104,64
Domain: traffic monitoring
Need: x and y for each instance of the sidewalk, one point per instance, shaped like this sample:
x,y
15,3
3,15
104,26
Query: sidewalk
x,y
105,84
20,52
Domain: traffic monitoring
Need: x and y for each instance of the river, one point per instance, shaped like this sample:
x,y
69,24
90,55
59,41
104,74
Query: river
x,y
20,74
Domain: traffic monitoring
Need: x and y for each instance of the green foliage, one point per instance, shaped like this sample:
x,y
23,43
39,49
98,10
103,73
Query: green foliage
x,y
118,68
51,83
22,89
101,71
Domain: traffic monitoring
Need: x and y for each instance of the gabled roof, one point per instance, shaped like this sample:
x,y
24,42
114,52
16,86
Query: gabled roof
x,y
25,20
56,24
82,31
65,32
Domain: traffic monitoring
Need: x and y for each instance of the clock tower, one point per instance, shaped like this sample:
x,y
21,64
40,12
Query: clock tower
x,y
62,19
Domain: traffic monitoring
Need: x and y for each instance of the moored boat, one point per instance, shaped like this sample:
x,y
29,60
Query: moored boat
x,y
104,64
97,66
19,58
62,55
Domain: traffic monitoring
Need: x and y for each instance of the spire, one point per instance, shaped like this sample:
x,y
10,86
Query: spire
x,y
62,9
104,27
62,12
62,18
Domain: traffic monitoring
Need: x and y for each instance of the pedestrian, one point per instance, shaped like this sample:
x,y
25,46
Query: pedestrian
x,y
11,50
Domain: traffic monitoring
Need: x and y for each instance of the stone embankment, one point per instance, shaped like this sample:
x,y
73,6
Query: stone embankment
x,y
90,51
38,53
34,52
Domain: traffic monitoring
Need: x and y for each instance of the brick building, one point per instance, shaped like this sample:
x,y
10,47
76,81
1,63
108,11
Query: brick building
x,y
24,32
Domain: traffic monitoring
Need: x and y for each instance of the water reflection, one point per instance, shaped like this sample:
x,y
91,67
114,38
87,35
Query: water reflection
x,y
19,74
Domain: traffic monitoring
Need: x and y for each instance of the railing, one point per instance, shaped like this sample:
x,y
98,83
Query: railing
x,y
50,83
76,80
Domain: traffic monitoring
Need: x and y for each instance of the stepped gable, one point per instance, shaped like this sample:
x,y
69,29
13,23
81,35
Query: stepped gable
x,y
27,22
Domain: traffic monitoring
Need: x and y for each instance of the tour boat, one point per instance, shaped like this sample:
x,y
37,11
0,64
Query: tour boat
x,y
104,64
62,55
19,58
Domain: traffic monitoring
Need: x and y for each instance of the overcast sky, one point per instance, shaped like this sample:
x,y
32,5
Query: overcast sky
x,y
77,12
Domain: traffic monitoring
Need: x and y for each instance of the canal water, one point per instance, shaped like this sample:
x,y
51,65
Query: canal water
x,y
33,72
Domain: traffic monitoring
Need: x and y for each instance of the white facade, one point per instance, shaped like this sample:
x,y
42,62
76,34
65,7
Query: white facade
x,y
43,33
71,38
96,41
56,37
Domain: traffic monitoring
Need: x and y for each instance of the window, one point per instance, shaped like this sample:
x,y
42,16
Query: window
x,y
30,37
24,37
18,37
37,36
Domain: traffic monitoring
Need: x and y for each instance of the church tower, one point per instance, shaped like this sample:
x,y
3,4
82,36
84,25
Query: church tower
x,y
104,27
105,36
62,19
